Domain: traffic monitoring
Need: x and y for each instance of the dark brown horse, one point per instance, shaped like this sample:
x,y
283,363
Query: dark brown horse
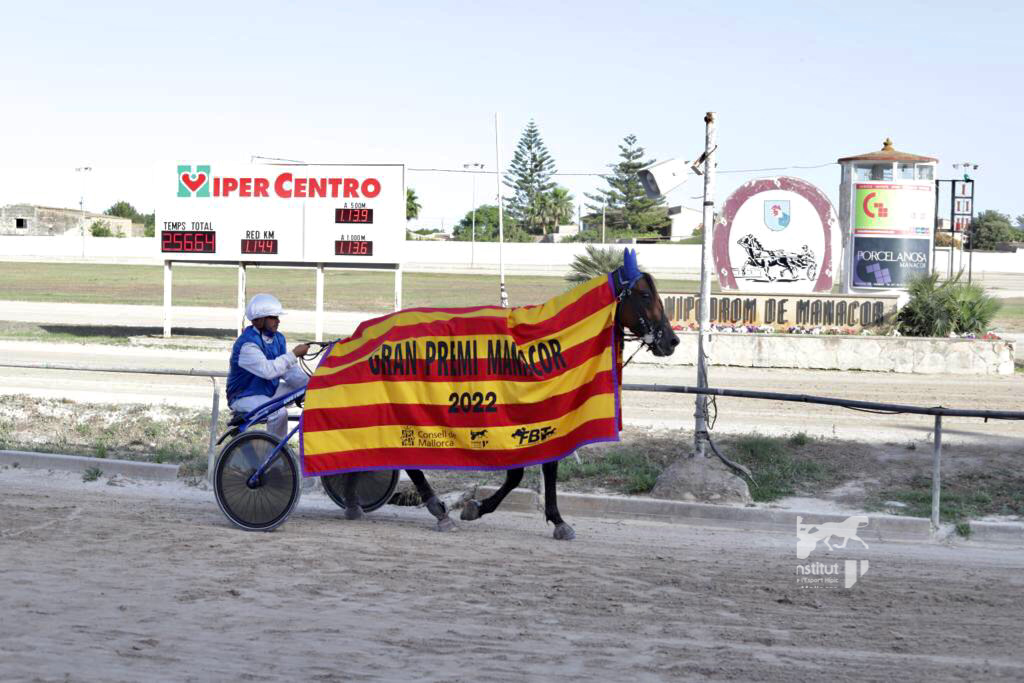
x,y
640,311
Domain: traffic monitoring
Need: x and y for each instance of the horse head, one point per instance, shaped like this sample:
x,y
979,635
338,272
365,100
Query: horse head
x,y
640,309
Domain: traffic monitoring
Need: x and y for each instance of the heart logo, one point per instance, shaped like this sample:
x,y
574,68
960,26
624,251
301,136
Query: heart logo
x,y
193,181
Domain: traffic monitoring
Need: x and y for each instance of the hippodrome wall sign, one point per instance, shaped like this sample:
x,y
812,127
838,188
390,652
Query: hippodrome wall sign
x,y
827,311
776,234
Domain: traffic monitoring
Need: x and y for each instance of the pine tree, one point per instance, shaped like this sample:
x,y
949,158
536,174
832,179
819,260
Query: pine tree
x,y
529,177
626,206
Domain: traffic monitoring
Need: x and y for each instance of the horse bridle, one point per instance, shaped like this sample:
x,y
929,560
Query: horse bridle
x,y
650,334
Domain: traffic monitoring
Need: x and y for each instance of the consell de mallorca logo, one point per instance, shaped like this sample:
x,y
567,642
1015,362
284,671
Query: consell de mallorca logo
x,y
200,182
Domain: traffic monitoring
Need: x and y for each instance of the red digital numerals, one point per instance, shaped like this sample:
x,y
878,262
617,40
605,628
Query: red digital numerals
x,y
353,248
353,215
178,241
250,246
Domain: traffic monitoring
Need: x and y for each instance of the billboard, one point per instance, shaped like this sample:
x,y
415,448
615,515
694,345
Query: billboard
x,y
299,213
888,209
886,262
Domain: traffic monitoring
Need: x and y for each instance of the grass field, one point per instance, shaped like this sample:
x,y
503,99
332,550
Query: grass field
x,y
348,290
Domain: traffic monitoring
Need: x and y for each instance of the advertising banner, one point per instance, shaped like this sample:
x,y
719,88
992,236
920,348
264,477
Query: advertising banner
x,y
886,262
467,388
886,209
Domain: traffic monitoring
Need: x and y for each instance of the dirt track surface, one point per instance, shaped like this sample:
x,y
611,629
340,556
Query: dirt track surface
x,y
150,583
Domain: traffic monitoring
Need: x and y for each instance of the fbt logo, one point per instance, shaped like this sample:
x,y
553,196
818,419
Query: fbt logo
x,y
193,183
532,435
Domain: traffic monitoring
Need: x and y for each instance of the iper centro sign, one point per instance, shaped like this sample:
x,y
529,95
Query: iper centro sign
x,y
296,213
201,183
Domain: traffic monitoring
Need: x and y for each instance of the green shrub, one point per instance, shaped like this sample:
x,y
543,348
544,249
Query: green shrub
x,y
100,228
950,308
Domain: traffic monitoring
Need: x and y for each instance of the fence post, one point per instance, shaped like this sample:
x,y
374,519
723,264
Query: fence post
x,y
936,485
214,419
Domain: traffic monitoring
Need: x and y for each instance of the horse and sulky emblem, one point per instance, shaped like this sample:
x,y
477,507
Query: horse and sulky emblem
x,y
808,535
799,265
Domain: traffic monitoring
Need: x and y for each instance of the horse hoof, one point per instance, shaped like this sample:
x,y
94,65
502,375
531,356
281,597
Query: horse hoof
x,y
354,512
564,532
470,511
446,524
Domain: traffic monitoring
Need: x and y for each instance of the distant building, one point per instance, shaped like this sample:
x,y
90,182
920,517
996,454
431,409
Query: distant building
x,y
44,221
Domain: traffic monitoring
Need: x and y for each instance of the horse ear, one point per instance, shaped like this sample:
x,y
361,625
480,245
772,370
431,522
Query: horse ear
x,y
629,264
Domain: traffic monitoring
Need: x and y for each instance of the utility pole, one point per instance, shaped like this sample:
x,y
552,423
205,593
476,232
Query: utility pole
x,y
473,168
700,434
501,222
81,206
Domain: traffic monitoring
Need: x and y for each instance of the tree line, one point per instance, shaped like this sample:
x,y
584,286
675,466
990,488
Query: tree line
x,y
537,205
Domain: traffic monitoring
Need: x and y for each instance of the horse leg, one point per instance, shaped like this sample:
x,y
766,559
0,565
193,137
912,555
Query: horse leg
x,y
476,509
563,532
434,504
348,493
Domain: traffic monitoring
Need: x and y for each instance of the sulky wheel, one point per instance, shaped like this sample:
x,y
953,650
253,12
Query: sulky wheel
x,y
374,488
812,271
267,505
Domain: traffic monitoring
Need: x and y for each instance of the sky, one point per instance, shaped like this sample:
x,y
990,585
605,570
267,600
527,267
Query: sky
x,y
122,88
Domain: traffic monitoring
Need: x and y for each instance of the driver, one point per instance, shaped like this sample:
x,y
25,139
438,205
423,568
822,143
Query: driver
x,y
262,368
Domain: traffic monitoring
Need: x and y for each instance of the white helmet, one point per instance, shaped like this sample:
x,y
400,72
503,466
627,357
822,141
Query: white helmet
x,y
263,305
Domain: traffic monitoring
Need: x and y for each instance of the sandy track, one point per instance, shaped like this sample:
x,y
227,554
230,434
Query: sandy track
x,y
149,583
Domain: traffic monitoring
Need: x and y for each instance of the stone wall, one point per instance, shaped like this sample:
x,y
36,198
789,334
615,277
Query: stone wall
x,y
28,220
835,352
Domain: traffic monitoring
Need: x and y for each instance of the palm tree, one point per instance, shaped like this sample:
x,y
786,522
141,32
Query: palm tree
x,y
412,204
597,261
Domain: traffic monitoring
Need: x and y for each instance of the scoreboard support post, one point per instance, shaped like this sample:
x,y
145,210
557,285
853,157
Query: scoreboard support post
x,y
240,318
319,302
398,287
167,299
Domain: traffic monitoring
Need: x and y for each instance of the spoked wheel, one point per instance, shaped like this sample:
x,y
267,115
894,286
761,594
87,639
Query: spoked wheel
x,y
268,505
812,270
373,489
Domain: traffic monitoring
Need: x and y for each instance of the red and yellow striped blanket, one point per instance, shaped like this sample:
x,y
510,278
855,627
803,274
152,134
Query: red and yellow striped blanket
x,y
471,388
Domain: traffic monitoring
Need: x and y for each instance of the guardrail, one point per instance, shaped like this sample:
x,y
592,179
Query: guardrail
x,y
887,408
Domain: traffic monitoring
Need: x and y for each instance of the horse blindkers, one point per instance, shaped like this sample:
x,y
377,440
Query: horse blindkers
x,y
468,388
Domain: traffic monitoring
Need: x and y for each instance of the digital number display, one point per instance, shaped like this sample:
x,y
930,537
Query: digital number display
x,y
250,246
353,247
191,242
353,215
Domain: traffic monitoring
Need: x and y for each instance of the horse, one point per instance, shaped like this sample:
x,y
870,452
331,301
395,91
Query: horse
x,y
639,309
762,258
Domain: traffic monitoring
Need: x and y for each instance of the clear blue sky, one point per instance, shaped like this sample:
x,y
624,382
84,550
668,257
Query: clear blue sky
x,y
121,87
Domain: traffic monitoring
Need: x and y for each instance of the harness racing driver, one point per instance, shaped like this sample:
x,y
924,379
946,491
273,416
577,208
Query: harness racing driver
x,y
262,368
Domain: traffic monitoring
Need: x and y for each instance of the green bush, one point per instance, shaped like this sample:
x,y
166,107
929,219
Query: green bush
x,y
100,228
942,310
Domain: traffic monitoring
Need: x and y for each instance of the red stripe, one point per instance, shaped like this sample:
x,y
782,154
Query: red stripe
x,y
360,372
586,305
440,458
425,415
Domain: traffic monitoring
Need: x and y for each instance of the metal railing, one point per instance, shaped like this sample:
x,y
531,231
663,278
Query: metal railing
x,y
870,406
886,408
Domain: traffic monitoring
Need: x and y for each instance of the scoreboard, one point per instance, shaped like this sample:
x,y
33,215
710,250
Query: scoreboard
x,y
300,213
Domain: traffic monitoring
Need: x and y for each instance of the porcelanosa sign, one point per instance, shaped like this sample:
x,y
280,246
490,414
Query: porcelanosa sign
x,y
776,235
885,262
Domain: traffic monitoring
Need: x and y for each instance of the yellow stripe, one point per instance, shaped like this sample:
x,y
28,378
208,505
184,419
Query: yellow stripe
x,y
390,436
577,333
508,391
516,316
